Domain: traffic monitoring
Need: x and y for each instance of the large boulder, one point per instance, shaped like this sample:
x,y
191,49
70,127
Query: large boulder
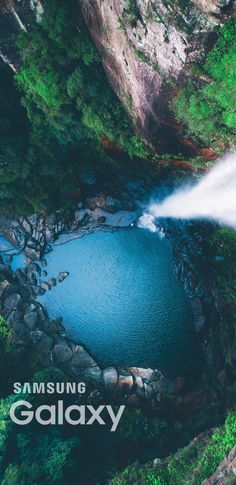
x,y
110,378
12,301
31,319
62,352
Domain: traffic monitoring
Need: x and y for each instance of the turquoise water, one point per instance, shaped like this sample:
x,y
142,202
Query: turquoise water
x,y
123,302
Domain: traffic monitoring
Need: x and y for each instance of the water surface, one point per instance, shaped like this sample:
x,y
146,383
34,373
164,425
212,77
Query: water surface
x,y
123,302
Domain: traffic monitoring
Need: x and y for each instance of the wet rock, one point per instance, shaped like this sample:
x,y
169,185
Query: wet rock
x,y
8,258
32,253
31,319
125,382
20,334
82,359
110,377
52,282
62,353
102,219
14,316
43,263
45,344
148,391
45,286
3,287
36,336
12,301
93,375
44,273
62,276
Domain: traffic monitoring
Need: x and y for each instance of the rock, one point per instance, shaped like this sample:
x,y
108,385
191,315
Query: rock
x,y
148,391
20,334
125,382
81,359
62,353
52,282
36,336
31,319
44,273
12,301
3,287
14,317
102,219
93,375
45,286
32,253
45,344
43,263
110,377
199,323
62,276
233,466
8,258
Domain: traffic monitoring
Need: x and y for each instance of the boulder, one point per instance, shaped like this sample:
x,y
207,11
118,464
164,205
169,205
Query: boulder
x,y
3,286
31,319
14,317
45,286
32,253
62,276
36,336
82,359
102,219
93,375
52,282
125,382
45,344
62,353
12,301
110,378
20,334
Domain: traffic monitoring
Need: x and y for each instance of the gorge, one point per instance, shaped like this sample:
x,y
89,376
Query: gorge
x,y
117,236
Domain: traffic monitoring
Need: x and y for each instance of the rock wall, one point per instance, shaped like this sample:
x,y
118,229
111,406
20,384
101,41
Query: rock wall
x,y
146,47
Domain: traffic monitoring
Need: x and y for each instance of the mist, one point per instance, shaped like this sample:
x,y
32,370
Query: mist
x,y
214,197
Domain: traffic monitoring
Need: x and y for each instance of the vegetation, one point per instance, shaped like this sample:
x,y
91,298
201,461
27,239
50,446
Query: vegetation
x,y
191,465
68,108
208,106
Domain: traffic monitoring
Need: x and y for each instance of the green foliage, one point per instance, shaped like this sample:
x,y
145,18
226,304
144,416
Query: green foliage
x,y
5,333
190,465
62,78
208,109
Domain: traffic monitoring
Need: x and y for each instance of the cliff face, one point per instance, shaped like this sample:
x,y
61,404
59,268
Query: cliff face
x,y
146,48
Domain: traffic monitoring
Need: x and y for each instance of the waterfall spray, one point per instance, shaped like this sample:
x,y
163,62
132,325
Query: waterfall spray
x,y
214,197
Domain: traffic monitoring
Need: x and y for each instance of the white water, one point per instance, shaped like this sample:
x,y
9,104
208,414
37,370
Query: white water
x,y
214,197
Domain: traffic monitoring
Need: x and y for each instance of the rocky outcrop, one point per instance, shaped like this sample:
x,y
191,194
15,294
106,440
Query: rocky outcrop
x,y
146,48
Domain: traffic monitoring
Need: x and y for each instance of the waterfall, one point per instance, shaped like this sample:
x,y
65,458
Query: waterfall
x,y
213,197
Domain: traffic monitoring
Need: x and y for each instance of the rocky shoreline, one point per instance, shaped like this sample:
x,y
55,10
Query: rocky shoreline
x,y
31,326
